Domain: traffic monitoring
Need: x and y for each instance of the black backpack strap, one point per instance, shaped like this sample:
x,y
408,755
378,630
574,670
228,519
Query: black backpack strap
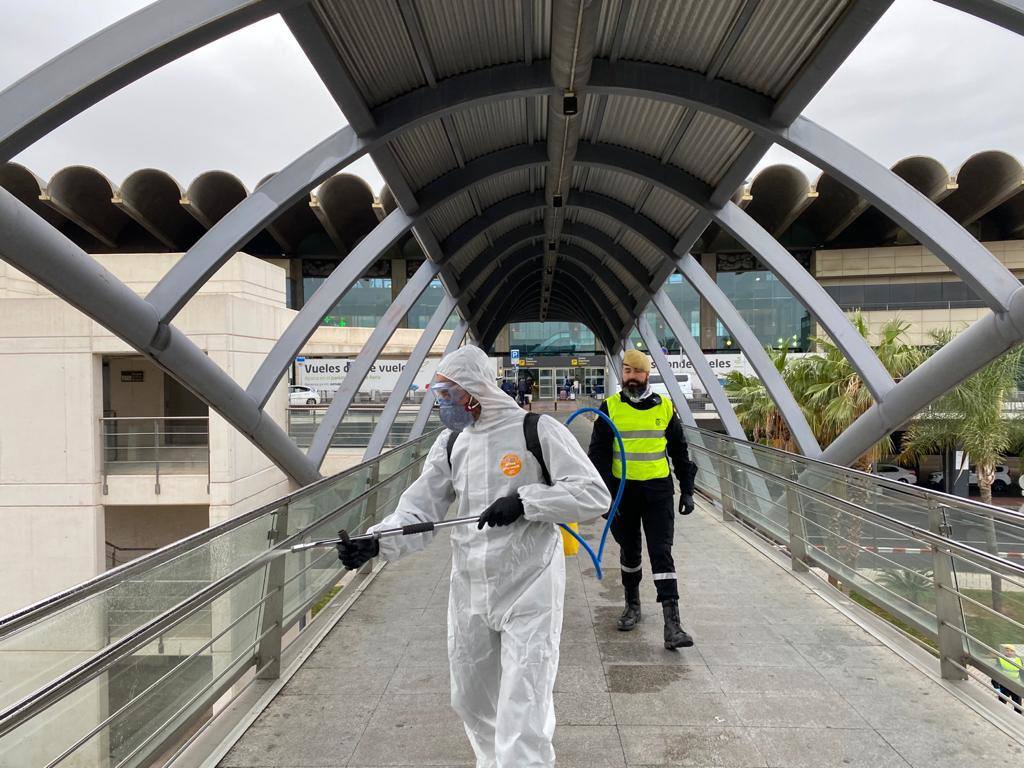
x,y
533,444
452,437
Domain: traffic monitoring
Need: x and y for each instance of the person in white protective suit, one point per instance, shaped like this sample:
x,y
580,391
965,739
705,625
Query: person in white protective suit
x,y
508,572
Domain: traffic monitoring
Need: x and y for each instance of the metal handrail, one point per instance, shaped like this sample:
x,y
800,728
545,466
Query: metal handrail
x,y
36,702
909,529
47,606
988,510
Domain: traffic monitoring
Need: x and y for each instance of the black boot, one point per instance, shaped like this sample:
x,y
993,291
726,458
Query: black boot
x,y
675,637
631,616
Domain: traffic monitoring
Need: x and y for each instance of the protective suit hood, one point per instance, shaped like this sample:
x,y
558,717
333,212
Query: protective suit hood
x,y
470,368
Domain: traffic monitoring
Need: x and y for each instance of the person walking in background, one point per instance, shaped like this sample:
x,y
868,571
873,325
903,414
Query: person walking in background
x,y
651,434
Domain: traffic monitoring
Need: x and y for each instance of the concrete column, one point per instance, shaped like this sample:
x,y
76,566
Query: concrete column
x,y
399,276
708,318
295,273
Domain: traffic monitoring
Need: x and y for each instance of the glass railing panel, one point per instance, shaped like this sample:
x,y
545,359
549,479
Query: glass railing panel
x,y
114,715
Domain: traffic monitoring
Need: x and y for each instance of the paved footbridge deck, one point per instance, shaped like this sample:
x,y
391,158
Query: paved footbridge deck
x,y
783,674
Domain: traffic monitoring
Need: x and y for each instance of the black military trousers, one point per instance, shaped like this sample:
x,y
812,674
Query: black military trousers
x,y
656,515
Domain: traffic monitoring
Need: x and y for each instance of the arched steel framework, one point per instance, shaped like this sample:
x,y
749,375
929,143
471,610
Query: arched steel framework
x,y
168,29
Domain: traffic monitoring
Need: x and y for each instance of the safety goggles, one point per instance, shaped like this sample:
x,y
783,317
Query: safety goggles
x,y
448,392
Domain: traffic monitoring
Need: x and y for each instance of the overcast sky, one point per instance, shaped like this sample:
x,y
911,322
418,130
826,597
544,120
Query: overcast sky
x,y
927,80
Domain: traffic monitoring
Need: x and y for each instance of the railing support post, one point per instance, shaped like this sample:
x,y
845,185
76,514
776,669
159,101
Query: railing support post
x,y
727,488
268,654
156,449
371,509
948,611
797,529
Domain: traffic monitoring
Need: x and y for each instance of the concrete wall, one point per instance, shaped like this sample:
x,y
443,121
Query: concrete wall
x,y
908,264
51,499
151,527
911,260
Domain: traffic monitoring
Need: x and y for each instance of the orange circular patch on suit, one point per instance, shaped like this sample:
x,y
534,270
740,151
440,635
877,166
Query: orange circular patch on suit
x,y
511,464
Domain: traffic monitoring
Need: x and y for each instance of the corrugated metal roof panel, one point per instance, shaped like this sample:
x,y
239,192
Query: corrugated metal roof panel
x,y
468,254
670,212
709,147
497,189
374,46
645,253
642,124
780,37
424,153
449,216
461,36
512,222
618,186
683,33
594,219
490,127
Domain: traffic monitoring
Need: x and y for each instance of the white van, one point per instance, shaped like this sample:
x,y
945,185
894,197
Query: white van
x,y
685,384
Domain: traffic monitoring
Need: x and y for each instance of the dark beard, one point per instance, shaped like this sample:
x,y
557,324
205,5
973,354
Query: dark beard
x,y
634,389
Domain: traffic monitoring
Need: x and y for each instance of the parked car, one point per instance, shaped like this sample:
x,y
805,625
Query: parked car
x,y
1001,483
658,385
897,473
300,395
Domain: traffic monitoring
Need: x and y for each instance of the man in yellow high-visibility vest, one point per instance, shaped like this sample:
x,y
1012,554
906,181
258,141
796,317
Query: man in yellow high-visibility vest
x,y
1010,664
651,434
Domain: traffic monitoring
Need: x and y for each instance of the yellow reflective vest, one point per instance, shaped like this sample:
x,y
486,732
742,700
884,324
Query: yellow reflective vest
x,y
643,437
1011,668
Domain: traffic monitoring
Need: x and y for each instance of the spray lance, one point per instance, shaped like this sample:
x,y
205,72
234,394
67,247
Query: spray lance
x,y
407,530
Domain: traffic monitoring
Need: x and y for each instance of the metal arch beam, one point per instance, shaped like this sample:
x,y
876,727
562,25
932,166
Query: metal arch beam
x,y
571,306
695,354
971,350
589,314
496,281
284,188
1008,14
120,54
731,217
596,309
751,347
504,244
164,31
31,245
667,376
428,402
576,254
305,323
913,211
510,206
405,379
367,356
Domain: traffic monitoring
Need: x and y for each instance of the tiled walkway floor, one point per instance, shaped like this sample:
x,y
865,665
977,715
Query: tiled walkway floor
x,y
778,677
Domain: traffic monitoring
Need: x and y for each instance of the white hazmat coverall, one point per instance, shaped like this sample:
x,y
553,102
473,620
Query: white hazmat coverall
x,y
507,583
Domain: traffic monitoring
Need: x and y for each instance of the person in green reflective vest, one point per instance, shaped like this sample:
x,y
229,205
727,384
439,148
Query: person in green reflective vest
x,y
651,434
1010,665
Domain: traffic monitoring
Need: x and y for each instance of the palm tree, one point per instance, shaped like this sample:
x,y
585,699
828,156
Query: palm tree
x,y
755,410
971,415
832,396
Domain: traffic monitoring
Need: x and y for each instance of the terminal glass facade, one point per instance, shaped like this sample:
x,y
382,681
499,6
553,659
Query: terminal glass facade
x,y
362,306
775,316
550,338
426,305
687,302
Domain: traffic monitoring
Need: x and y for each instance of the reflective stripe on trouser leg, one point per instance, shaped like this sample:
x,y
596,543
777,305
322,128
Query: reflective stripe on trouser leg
x,y
626,531
659,529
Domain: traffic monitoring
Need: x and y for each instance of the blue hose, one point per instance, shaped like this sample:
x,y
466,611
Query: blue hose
x,y
596,557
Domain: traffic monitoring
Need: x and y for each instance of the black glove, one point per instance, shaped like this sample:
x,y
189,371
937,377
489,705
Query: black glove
x,y
355,554
685,504
504,511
